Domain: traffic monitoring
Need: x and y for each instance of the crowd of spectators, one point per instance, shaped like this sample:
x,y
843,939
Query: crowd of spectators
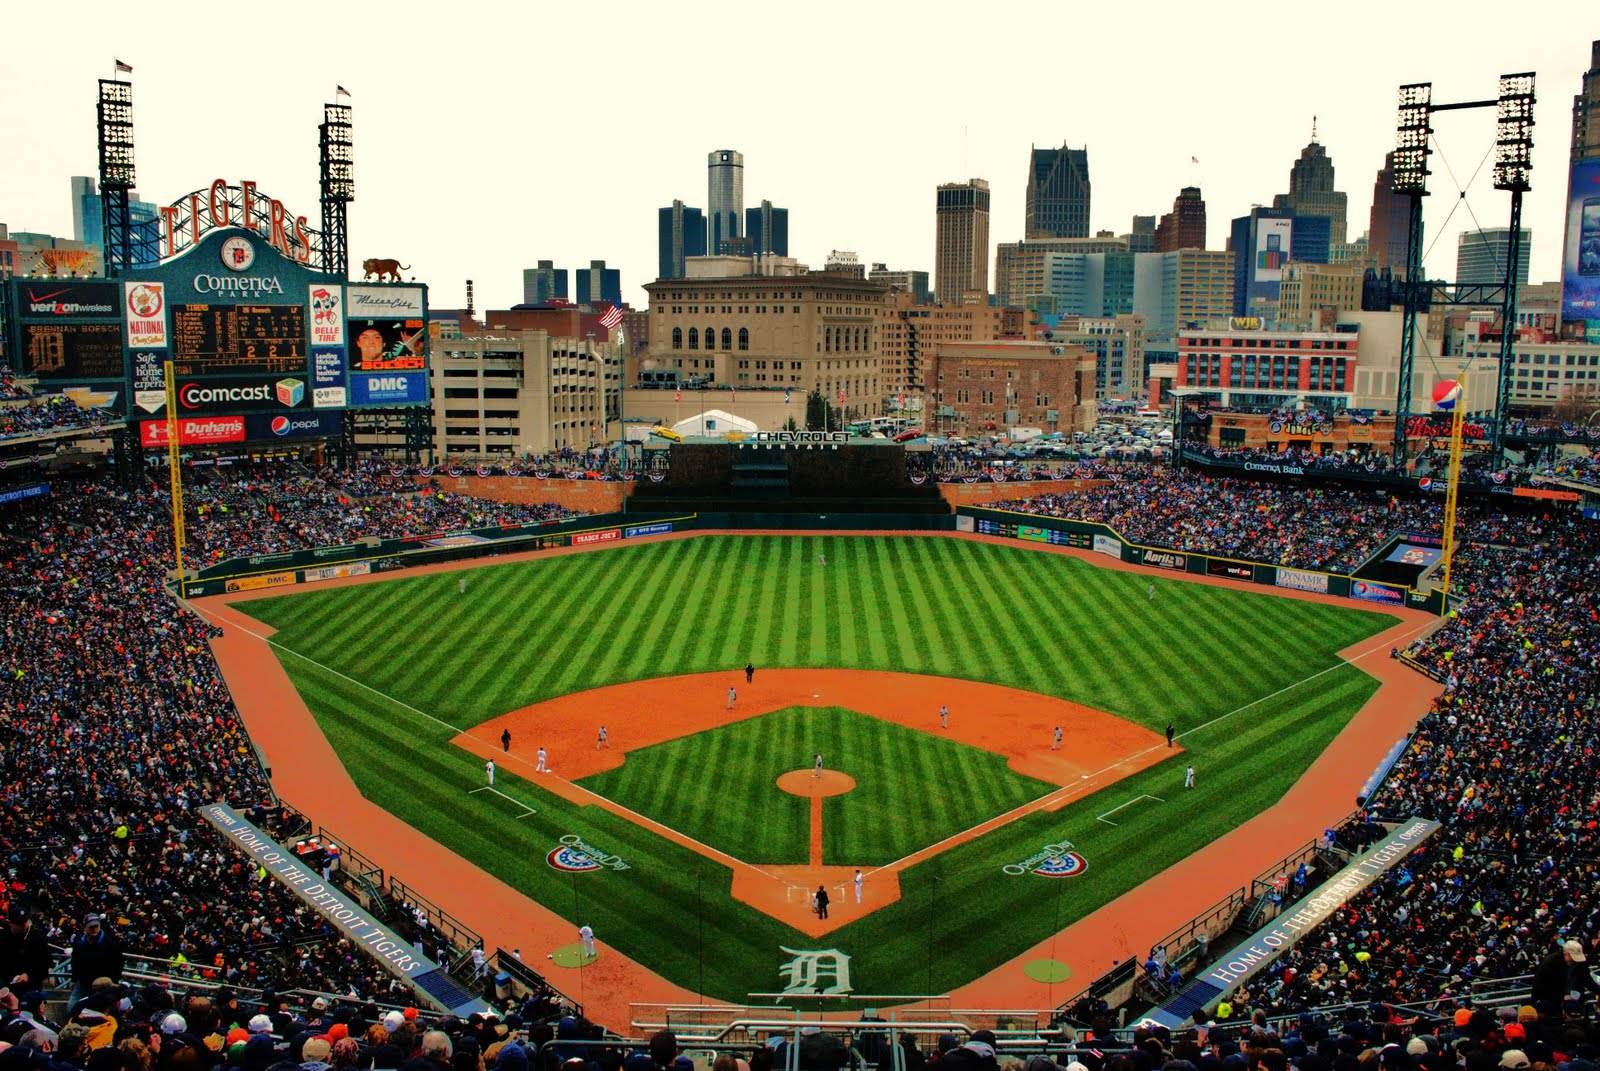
x,y
268,508
1583,469
1311,527
118,724
25,415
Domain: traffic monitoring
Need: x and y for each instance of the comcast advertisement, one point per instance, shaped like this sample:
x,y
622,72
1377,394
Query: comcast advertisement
x,y
1580,269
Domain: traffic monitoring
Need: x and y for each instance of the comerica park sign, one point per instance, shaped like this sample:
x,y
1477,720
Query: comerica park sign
x,y
191,218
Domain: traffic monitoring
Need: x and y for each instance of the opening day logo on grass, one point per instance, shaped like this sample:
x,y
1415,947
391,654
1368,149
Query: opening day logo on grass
x,y
1058,860
575,857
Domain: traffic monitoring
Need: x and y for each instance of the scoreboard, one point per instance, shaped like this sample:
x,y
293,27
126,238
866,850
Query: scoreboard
x,y
73,350
225,339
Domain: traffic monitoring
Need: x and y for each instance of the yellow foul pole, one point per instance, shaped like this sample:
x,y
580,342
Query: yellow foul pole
x,y
1451,489
175,474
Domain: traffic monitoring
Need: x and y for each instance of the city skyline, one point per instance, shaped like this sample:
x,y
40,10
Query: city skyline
x,y
854,187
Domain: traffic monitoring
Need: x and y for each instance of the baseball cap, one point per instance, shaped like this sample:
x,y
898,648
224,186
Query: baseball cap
x,y
320,1004
260,1024
1513,1058
1574,949
392,1021
1417,1047
173,1024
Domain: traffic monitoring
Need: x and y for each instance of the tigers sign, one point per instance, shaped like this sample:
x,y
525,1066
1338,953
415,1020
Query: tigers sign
x,y
186,221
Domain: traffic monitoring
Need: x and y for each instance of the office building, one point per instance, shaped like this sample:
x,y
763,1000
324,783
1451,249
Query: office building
x,y
36,253
598,283
1065,276
1270,369
1262,244
1312,296
846,263
1142,237
1057,203
1586,112
724,198
1117,343
681,233
1182,289
909,331
1311,191
1543,373
961,240
1388,226
1185,226
914,283
796,332
767,228
544,284
983,388
1481,255
504,392
88,221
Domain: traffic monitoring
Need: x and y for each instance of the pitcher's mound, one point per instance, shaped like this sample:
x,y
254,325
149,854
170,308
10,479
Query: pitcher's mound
x,y
807,783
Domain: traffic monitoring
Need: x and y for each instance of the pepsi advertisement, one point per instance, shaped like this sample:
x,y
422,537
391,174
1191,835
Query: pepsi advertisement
x,y
265,426
388,388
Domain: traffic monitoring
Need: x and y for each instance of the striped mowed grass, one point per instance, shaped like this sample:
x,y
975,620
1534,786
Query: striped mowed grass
x,y
526,631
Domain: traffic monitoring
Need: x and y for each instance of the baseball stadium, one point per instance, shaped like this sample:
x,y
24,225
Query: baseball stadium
x,y
785,747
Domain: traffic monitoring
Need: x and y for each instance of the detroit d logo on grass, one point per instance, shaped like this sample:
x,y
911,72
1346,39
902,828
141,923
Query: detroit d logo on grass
x,y
1059,860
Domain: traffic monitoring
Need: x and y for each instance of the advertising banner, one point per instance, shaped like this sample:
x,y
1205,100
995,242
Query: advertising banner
x,y
388,345
585,538
327,368
1370,592
964,523
20,494
386,302
292,426
256,583
193,431
1408,554
254,393
1272,249
1111,548
1232,570
49,299
149,380
1164,559
1580,264
72,350
388,388
327,315
1301,580
647,529
147,315
335,572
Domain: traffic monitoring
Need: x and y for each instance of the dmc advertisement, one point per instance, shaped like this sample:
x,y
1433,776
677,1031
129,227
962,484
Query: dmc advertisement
x,y
1370,592
1580,268
1272,249
387,389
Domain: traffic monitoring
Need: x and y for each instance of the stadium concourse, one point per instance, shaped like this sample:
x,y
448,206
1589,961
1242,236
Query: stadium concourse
x,y
117,724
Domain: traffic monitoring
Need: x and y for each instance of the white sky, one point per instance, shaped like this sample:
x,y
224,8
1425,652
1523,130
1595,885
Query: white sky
x,y
490,135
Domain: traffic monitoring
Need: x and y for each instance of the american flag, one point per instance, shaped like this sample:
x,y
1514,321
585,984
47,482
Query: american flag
x,y
841,395
611,319
122,68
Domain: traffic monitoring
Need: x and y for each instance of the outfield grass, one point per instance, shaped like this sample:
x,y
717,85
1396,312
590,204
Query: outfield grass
x,y
1049,623
717,786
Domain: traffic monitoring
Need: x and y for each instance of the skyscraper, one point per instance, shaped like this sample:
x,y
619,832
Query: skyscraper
x,y
544,284
1586,111
1261,245
768,229
681,232
1311,191
724,197
1185,226
1481,255
1058,194
1142,238
598,283
961,240
88,220
1386,229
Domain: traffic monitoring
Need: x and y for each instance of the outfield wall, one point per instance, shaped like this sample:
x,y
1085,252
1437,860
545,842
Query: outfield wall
x,y
1087,535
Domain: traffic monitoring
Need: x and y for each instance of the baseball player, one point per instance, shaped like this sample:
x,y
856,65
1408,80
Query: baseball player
x,y
816,768
944,716
858,881
1188,776
586,940
1055,739
732,697
1150,592
543,766
461,586
505,740
602,740
488,772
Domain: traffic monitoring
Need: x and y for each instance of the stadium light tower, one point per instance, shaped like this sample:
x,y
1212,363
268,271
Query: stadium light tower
x,y
1412,131
1513,169
337,160
114,112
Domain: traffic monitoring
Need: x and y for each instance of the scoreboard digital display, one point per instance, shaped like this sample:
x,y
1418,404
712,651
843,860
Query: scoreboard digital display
x,y
213,339
71,350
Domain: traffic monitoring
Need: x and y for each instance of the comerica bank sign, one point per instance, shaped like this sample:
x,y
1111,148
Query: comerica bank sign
x,y
237,285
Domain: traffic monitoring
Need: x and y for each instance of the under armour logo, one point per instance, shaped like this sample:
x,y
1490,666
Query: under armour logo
x,y
816,973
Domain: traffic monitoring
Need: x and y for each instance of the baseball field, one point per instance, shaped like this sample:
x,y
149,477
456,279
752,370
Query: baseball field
x,y
675,841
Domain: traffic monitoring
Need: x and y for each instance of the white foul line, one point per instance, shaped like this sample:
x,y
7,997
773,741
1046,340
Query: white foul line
x,y
490,788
